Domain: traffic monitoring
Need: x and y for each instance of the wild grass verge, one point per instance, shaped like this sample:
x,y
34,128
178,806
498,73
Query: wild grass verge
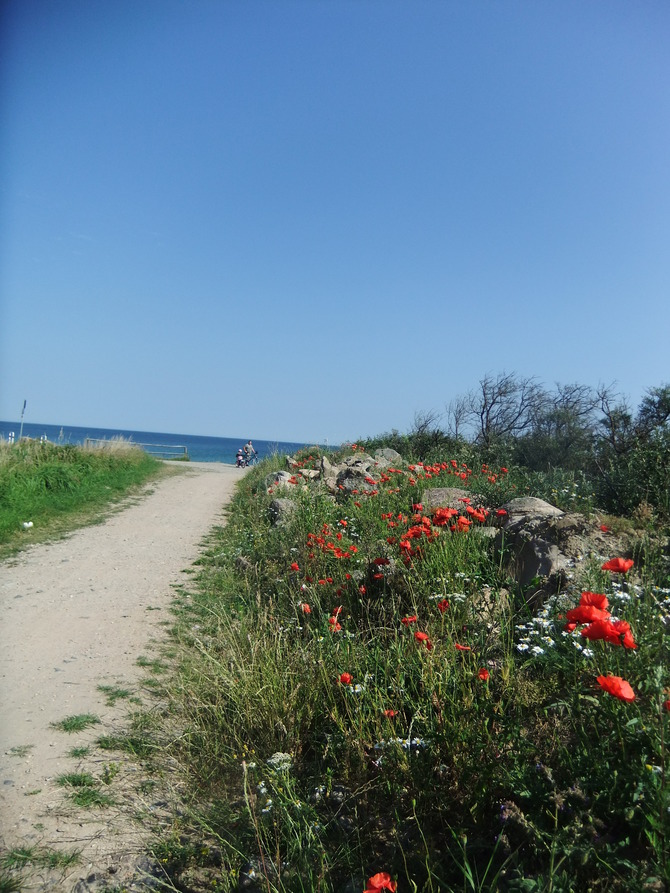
x,y
48,488
362,689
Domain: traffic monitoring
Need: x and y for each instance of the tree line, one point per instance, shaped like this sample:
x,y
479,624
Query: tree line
x,y
513,419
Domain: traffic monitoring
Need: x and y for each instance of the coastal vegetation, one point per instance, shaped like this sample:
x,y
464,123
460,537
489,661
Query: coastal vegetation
x,y
46,488
366,699
362,696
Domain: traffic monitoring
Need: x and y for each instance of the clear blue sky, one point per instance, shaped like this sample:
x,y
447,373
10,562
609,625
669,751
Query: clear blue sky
x,y
309,219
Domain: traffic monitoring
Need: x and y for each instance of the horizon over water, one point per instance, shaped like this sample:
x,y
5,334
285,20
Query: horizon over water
x,y
200,448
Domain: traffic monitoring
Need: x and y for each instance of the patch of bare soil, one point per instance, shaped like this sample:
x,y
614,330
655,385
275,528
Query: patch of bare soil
x,y
76,616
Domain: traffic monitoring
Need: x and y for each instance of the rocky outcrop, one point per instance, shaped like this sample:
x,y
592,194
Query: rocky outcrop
x,y
545,546
281,511
450,498
541,545
358,473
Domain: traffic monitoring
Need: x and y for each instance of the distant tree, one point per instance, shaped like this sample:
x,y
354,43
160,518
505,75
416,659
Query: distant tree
x,y
562,430
457,415
616,424
503,407
426,436
654,411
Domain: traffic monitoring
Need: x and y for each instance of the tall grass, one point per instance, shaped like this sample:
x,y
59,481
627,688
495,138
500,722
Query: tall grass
x,y
46,485
325,741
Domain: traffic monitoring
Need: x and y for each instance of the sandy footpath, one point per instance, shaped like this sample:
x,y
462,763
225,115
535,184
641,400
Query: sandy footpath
x,y
75,615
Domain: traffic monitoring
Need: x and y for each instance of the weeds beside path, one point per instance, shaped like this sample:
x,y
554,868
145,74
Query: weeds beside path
x,y
77,615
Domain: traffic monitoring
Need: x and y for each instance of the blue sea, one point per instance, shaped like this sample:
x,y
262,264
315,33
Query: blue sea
x,y
198,448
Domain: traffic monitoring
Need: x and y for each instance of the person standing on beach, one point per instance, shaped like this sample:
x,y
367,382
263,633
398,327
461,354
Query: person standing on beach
x,y
249,450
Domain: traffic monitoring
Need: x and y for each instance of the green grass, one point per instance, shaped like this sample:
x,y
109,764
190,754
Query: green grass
x,y
9,884
531,778
114,693
40,857
76,723
83,787
154,665
88,798
76,780
58,487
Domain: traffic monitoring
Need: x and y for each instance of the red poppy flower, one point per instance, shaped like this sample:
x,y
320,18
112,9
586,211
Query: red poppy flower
x,y
443,605
462,647
390,713
586,614
423,637
346,678
305,608
618,565
625,635
407,620
483,674
617,687
442,516
605,528
594,598
380,881
295,566
381,561
501,513
602,629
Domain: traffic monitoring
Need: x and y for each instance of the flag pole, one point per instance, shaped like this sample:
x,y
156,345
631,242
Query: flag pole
x,y
22,414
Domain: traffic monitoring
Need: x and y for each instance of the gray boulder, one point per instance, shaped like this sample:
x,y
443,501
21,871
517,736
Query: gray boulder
x,y
531,535
528,507
281,511
279,479
390,455
354,478
450,498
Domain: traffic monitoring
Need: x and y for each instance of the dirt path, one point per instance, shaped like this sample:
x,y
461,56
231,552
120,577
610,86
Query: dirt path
x,y
76,615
